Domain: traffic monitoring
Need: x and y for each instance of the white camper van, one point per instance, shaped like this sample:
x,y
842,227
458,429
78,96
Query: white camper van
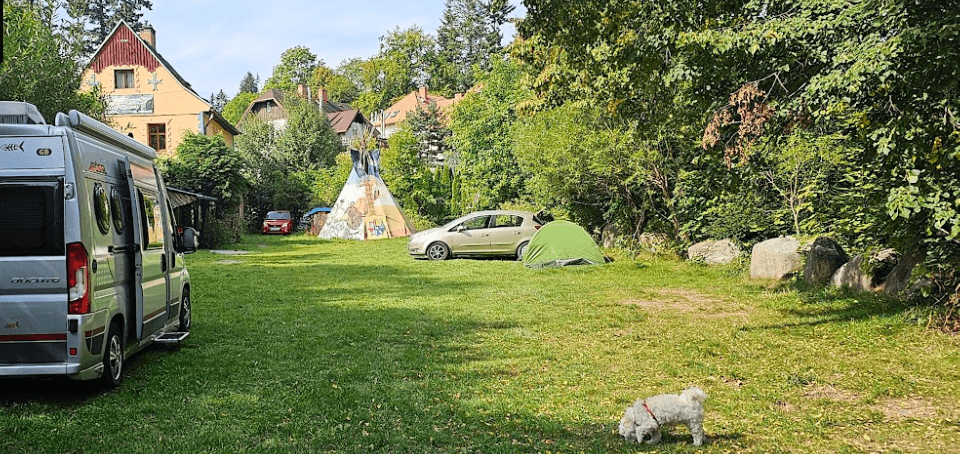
x,y
91,267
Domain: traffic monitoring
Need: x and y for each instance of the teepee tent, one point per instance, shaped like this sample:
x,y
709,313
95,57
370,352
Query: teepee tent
x,y
562,243
365,209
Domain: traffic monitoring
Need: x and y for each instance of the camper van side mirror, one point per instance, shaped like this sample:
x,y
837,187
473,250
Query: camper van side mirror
x,y
190,239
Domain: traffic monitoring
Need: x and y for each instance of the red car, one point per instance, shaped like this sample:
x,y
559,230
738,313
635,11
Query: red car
x,y
277,222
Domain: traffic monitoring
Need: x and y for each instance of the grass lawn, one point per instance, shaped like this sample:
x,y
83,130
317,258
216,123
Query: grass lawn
x,y
306,345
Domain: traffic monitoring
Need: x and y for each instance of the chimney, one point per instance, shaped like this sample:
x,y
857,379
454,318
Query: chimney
x,y
423,93
322,95
149,35
302,91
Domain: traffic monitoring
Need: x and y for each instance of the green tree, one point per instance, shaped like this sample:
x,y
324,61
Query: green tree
x,y
585,167
421,189
219,101
39,66
233,110
339,87
429,128
399,68
99,17
882,74
283,165
249,83
468,40
206,165
481,124
296,66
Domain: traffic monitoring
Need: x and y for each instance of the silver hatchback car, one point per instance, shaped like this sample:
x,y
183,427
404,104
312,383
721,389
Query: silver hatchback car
x,y
492,232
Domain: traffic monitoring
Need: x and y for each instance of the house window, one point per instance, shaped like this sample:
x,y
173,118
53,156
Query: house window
x,y
158,136
123,78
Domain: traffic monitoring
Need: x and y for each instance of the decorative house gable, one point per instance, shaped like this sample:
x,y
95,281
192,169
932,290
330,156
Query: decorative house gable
x,y
124,48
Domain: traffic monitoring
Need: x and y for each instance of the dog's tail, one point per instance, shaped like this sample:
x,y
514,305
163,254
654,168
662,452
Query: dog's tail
x,y
694,394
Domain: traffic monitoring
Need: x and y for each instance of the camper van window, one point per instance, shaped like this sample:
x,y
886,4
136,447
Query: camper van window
x,y
101,208
144,235
154,222
32,220
116,210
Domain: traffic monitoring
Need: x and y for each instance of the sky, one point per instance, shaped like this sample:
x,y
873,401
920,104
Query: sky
x,y
213,43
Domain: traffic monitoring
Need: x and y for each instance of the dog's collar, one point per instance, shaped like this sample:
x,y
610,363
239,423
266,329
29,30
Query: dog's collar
x,y
645,407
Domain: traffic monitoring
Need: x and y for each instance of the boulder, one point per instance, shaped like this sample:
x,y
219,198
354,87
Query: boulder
x,y
609,236
852,275
899,276
654,242
865,274
714,252
824,257
776,258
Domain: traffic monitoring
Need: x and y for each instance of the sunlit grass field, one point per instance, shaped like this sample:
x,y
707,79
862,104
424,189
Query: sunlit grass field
x,y
312,346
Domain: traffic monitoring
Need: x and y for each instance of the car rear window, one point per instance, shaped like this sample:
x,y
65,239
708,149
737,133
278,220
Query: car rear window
x,y
278,215
31,219
506,220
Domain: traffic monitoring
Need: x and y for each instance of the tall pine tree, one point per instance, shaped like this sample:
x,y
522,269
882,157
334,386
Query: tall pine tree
x,y
100,16
468,36
249,84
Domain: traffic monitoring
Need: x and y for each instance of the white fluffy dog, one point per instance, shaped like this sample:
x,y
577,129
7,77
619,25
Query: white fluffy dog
x,y
647,416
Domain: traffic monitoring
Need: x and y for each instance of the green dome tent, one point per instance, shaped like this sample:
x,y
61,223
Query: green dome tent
x,y
561,243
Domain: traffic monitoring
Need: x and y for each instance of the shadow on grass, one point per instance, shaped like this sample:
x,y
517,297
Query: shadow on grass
x,y
822,306
318,357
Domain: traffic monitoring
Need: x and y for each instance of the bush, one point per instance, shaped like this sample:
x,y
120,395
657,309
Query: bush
x,y
221,231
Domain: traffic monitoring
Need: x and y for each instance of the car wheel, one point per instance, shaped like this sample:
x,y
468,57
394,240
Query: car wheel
x,y
438,251
522,250
113,357
186,313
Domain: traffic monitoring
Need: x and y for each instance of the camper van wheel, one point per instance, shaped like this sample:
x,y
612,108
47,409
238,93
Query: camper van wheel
x,y
186,313
522,250
113,357
438,251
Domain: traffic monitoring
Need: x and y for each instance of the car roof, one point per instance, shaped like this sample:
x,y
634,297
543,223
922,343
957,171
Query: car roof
x,y
488,212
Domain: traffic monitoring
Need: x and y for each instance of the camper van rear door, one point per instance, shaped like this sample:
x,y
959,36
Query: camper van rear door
x,y
137,254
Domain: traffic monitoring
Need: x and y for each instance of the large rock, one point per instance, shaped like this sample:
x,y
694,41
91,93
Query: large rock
x,y
865,274
714,252
823,259
775,259
852,275
899,277
609,236
654,242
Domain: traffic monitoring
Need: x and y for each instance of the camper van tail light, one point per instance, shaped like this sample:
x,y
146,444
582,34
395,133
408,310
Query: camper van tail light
x,y
78,279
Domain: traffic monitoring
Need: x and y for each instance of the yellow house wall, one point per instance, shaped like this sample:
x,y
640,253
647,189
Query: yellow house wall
x,y
173,105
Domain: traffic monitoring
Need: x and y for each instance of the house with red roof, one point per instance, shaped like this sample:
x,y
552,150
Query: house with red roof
x,y
146,97
389,119
347,122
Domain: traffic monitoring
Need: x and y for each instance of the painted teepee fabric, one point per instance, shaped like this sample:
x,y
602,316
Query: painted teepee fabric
x,y
365,209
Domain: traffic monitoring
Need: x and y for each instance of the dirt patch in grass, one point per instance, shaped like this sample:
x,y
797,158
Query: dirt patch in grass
x,y
786,407
228,252
688,302
732,382
908,408
831,392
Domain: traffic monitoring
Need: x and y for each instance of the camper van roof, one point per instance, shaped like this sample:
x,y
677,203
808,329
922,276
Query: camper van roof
x,y
20,113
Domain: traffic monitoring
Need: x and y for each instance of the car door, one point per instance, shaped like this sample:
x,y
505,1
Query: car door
x,y
471,236
505,233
